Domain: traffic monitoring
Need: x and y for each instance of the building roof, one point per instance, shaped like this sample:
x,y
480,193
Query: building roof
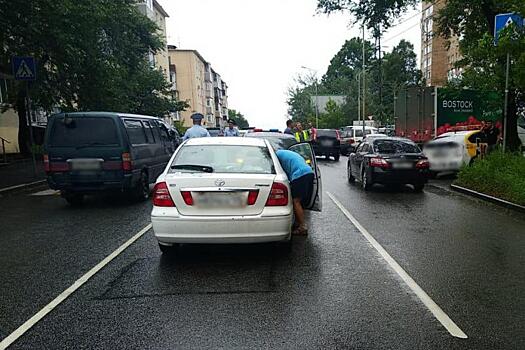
x,y
159,8
172,48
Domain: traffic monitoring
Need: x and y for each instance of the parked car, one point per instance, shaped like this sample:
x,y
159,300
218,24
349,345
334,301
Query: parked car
x,y
215,132
327,143
94,152
226,190
386,161
450,151
351,136
277,140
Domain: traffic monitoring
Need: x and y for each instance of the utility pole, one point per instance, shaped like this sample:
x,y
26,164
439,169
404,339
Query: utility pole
x,y
505,111
364,81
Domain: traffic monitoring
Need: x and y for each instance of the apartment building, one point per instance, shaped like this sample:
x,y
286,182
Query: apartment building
x,y
155,12
438,59
200,85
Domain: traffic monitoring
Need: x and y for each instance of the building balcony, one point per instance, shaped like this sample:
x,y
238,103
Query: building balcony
x,y
146,10
209,110
207,77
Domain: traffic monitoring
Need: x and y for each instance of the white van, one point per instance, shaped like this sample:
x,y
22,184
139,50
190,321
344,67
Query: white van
x,y
352,135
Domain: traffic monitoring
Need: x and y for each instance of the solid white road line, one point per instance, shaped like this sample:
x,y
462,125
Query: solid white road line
x,y
65,294
22,186
45,193
438,313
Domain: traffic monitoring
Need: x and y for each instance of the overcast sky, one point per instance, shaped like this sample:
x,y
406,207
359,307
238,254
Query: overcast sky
x,y
258,47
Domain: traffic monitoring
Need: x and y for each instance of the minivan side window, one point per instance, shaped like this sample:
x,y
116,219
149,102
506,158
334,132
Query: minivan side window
x,y
149,131
156,131
136,133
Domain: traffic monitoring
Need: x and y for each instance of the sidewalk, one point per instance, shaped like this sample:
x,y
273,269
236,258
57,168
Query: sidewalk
x,y
20,172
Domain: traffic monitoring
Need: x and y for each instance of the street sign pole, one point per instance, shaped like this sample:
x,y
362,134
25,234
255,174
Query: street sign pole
x,y
30,123
505,112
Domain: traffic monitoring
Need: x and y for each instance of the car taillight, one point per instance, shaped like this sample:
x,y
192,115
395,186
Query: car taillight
x,y
252,197
423,164
188,199
161,195
379,163
126,162
351,141
337,135
278,195
46,163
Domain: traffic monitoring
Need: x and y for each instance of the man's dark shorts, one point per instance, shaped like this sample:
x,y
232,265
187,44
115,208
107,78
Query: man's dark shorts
x,y
302,188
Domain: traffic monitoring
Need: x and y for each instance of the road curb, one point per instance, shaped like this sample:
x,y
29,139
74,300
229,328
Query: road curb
x,y
21,187
488,198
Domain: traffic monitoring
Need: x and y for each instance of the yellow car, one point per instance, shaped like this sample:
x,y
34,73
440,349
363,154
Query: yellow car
x,y
450,151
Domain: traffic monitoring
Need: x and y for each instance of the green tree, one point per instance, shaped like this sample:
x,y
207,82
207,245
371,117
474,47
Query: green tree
x,y
483,62
91,55
334,116
238,118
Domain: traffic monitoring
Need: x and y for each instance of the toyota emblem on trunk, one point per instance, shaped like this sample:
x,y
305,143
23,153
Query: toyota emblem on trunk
x,y
219,182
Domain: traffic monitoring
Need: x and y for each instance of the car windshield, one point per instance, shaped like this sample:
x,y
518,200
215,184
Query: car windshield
x,y
83,132
359,132
224,159
326,133
394,146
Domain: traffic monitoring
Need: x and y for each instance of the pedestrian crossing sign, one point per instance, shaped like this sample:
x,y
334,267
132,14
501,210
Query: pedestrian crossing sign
x,y
24,68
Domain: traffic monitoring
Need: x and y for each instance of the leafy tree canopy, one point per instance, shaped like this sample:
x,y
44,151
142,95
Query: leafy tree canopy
x,y
238,118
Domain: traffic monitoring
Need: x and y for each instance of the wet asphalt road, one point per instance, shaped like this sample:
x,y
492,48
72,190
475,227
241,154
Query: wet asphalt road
x,y
333,290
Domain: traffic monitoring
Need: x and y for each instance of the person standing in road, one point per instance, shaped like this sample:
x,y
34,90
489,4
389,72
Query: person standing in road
x,y
196,130
301,178
300,134
492,135
231,130
289,127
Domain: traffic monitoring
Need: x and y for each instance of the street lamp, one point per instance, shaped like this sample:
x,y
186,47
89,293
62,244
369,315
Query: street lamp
x,y
316,97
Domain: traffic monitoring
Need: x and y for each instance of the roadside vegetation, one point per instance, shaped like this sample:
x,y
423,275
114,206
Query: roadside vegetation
x,y
499,175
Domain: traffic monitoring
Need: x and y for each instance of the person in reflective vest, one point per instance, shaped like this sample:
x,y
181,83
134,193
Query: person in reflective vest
x,y
300,134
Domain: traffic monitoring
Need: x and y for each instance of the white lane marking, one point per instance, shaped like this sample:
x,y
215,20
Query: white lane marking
x,y
434,308
22,186
65,294
45,193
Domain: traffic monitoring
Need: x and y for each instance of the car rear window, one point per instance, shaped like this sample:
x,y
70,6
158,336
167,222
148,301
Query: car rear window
x,y
231,159
394,146
83,131
328,133
359,132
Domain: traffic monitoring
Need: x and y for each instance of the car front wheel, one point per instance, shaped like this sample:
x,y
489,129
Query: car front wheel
x,y
351,178
168,249
419,187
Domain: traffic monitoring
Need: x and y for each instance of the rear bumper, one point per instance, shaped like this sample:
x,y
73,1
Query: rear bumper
x,y
320,150
390,176
174,228
79,184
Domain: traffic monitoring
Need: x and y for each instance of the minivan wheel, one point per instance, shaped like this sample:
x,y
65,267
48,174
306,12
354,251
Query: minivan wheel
x,y
74,199
419,188
351,178
336,158
141,190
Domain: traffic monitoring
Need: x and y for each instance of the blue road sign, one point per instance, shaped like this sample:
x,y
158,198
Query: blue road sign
x,y
505,19
24,68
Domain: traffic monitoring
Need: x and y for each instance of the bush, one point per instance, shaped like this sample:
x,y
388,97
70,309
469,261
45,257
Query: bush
x,y
500,175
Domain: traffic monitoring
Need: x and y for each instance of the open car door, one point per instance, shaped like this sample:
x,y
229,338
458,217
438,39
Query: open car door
x,y
306,151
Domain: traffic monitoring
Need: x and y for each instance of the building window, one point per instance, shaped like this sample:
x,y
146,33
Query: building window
x,y
149,3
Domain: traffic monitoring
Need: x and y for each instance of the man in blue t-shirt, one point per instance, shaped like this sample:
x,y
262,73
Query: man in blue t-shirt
x,y
301,178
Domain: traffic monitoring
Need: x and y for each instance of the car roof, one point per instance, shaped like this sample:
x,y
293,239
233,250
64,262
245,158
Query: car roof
x,y
458,135
229,141
391,138
264,134
106,114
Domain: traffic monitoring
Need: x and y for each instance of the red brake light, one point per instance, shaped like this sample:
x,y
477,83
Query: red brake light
x,y
379,163
351,141
423,164
337,135
314,134
46,163
161,196
188,199
252,197
278,195
126,162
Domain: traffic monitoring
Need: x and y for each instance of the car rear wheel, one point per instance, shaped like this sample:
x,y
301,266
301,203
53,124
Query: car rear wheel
x,y
419,187
74,199
365,181
336,157
168,249
351,178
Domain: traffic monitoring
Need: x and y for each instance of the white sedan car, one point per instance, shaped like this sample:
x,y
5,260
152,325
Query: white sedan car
x,y
226,190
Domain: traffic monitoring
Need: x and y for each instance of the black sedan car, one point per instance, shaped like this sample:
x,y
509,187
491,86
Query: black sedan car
x,y
388,161
327,142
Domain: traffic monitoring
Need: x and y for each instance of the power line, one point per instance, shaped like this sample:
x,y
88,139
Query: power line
x,y
398,34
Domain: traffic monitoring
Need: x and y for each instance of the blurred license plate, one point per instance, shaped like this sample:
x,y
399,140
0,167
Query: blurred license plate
x,y
402,165
326,143
218,200
83,165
